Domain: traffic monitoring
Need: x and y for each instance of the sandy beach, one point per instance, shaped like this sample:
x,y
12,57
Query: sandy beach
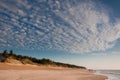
x,y
33,72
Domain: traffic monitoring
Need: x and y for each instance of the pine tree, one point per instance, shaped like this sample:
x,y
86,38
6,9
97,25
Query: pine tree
x,y
11,52
5,53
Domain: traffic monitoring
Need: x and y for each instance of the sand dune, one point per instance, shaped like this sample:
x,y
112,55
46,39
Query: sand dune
x,y
32,72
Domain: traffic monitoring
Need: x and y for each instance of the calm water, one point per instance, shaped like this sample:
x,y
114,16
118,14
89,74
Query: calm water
x,y
112,74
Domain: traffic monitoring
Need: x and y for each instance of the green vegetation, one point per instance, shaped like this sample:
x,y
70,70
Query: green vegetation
x,y
31,60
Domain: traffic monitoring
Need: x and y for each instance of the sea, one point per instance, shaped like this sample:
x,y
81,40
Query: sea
x,y
111,74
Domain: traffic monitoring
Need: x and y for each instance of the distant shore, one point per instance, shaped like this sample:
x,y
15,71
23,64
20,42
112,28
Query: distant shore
x,y
33,72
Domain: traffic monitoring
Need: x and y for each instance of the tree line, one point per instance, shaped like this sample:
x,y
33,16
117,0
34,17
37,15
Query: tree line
x,y
32,60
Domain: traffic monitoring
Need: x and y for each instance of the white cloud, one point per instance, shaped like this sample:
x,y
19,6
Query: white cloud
x,y
84,19
77,28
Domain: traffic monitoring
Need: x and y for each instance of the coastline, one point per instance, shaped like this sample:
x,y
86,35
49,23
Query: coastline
x,y
33,72
111,74
98,72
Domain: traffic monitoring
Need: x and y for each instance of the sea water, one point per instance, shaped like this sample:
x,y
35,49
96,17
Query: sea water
x,y
111,74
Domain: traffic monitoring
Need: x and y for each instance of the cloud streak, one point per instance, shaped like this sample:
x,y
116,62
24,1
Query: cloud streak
x,y
73,26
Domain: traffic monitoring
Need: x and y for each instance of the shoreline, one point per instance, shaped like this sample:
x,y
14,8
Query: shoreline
x,y
33,72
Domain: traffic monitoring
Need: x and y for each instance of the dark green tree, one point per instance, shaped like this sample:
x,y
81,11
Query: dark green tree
x,y
5,53
11,52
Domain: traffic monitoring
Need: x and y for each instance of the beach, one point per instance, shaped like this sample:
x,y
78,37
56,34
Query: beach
x,y
33,72
111,74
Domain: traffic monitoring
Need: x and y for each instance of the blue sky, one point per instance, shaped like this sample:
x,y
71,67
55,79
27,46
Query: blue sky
x,y
81,32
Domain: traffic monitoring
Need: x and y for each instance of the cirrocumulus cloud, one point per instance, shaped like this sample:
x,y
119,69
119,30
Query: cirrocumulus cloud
x,y
74,26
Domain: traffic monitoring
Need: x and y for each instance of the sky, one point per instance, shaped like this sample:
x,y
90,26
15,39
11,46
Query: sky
x,y
80,32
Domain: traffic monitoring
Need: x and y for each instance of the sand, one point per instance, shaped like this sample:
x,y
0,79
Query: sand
x,y
32,72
